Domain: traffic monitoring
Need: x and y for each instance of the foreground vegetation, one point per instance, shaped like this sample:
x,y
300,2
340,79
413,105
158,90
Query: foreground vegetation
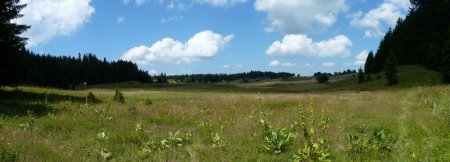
x,y
397,124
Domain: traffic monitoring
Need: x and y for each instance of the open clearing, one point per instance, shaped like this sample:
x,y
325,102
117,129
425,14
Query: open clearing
x,y
65,128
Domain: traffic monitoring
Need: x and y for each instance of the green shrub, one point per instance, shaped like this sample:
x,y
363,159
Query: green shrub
x,y
379,144
323,78
90,98
118,96
8,154
148,101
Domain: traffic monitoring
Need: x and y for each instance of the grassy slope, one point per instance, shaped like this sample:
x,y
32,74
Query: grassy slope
x,y
66,128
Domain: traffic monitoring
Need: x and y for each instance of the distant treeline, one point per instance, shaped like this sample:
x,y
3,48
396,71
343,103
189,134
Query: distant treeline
x,y
70,72
214,78
345,72
422,38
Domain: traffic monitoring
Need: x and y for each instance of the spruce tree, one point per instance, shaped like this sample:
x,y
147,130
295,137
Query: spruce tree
x,y
368,67
11,44
360,76
390,68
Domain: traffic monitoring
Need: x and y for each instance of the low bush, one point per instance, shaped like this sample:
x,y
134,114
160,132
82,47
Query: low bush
x,y
118,96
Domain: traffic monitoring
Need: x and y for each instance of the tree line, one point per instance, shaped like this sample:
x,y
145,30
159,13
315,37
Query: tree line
x,y
70,72
214,78
422,38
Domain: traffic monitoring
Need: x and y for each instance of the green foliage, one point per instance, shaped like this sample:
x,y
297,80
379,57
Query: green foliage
x,y
379,144
8,154
368,78
360,76
315,146
12,44
105,154
275,140
218,141
322,78
90,98
176,139
30,124
118,96
148,101
368,66
390,68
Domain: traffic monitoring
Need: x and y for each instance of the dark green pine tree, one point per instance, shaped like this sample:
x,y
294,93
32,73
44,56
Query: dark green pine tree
x,y
446,61
360,76
12,46
390,68
368,67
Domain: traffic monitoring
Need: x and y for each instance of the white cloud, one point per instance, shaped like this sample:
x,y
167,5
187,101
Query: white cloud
x,y
361,57
238,66
153,72
202,45
387,13
301,45
306,66
288,64
140,2
49,18
221,3
126,1
171,19
328,64
300,16
276,63
120,19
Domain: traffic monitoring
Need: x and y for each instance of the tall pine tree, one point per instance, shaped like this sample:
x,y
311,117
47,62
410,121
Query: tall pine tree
x,y
360,76
368,67
12,46
390,68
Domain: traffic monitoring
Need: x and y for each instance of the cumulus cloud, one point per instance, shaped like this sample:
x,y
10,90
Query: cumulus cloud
x,y
328,64
300,16
276,63
301,45
202,45
170,19
138,2
386,14
220,3
238,66
49,18
361,57
153,72
120,19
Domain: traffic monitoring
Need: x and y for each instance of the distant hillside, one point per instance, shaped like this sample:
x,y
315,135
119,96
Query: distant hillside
x,y
409,76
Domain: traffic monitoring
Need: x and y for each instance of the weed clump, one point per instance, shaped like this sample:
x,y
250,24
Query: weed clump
x,y
377,145
8,154
313,128
90,98
118,96
275,140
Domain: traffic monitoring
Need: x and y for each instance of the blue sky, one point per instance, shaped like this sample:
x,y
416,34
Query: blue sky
x,y
215,36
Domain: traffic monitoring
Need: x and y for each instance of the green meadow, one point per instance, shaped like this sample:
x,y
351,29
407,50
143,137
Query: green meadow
x,y
277,120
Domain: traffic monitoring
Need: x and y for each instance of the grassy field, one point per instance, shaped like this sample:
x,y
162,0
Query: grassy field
x,y
222,122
